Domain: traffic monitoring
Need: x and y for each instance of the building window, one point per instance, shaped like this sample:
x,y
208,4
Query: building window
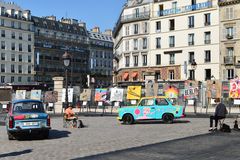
x,y
13,46
171,24
172,58
208,74
19,79
190,21
207,19
192,74
127,60
12,79
135,44
2,22
158,75
2,68
127,30
3,56
137,12
229,33
19,25
191,39
230,51
3,45
2,79
20,36
191,57
158,42
2,33
135,59
29,69
19,69
20,47
20,58
29,48
145,44
144,60
135,28
161,8
230,74
145,29
13,57
126,45
12,68
208,56
207,36
171,41
171,74
13,35
12,24
158,26
229,13
29,79
29,59
158,59
29,37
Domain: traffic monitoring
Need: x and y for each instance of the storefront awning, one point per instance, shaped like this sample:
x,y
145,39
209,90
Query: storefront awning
x,y
125,76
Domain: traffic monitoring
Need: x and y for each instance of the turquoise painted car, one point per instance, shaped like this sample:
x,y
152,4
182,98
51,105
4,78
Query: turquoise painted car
x,y
159,108
27,117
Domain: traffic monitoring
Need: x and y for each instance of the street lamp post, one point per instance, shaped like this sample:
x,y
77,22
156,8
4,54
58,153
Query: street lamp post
x,y
194,67
67,62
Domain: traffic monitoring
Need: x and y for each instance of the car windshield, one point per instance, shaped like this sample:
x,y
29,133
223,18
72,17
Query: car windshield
x,y
28,107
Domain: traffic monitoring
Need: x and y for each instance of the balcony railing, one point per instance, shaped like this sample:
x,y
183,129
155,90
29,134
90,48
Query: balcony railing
x,y
229,60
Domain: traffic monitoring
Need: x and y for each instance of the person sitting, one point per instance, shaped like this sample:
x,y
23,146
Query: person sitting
x,y
70,115
220,113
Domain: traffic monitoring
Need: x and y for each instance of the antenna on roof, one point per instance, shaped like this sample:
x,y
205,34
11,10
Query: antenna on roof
x,y
66,15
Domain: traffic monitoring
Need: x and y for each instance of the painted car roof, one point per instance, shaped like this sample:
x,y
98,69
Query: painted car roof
x,y
25,100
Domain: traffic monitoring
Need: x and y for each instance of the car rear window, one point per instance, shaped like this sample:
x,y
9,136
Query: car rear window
x,y
27,107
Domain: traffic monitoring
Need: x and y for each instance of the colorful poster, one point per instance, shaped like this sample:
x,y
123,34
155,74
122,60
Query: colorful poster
x,y
234,88
36,94
190,89
116,95
85,95
134,92
20,94
171,92
51,96
100,94
213,89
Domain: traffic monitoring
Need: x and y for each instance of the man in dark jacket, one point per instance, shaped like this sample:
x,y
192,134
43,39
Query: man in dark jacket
x,y
220,113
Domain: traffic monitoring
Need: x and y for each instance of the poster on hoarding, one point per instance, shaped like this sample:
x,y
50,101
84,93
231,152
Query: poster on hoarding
x,y
116,94
20,94
234,88
70,95
51,96
190,89
85,95
100,94
36,94
213,89
134,92
171,92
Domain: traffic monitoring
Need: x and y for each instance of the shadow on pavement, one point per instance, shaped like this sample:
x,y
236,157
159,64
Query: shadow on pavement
x,y
217,145
160,122
53,134
11,154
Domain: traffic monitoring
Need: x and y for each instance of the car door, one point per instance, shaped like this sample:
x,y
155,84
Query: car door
x,y
146,109
162,106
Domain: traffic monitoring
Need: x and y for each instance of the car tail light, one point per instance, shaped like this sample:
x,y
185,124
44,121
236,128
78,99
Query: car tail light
x,y
10,123
48,121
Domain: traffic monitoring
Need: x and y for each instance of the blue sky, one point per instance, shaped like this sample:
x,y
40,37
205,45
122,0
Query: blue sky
x,y
102,13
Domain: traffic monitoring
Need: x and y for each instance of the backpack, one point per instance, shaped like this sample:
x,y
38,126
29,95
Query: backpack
x,y
225,128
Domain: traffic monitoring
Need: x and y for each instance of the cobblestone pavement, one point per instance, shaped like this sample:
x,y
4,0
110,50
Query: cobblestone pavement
x,y
102,135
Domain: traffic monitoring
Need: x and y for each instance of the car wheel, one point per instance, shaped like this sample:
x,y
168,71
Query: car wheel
x,y
168,118
46,134
10,136
128,119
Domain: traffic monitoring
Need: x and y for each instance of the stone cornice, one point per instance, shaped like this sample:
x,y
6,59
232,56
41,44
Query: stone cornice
x,y
228,2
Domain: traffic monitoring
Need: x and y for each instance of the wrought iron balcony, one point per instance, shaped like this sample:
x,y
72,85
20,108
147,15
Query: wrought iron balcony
x,y
229,60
